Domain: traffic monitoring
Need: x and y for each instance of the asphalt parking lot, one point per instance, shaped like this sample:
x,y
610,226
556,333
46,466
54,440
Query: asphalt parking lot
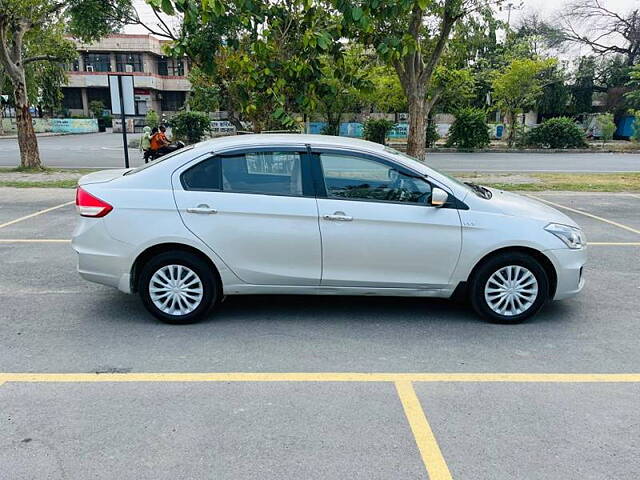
x,y
314,387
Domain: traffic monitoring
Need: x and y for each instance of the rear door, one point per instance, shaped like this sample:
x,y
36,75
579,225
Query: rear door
x,y
378,228
256,209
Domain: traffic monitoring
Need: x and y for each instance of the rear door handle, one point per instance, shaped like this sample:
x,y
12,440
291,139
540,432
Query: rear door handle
x,y
202,209
338,217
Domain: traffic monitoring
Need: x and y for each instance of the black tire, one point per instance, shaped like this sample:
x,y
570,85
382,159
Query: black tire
x,y
207,279
493,264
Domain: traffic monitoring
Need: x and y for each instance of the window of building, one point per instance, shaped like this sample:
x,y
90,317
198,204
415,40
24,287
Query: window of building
x,y
351,177
173,101
72,98
133,59
97,62
171,67
100,94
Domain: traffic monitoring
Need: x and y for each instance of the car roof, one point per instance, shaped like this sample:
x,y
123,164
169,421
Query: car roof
x,y
284,139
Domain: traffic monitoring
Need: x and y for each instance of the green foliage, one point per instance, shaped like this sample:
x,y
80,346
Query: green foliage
x,y
559,132
90,20
386,94
518,86
190,126
265,57
635,134
96,107
451,89
343,85
376,130
555,94
633,96
607,126
583,87
152,119
205,94
469,130
432,133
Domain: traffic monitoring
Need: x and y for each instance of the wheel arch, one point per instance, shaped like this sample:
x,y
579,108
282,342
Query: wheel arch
x,y
544,261
150,252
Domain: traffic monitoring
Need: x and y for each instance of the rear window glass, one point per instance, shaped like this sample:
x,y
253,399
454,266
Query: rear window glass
x,y
203,176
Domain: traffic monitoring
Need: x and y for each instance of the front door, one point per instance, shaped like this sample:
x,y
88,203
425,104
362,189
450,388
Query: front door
x,y
377,226
255,211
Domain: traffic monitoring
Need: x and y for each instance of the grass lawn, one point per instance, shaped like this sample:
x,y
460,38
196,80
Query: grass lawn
x,y
570,182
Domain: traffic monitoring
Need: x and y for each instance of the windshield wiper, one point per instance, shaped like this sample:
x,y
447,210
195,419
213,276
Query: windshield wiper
x,y
480,190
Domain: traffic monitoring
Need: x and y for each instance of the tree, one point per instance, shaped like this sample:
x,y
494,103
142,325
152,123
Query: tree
x,y
265,57
517,87
633,96
344,82
32,31
604,30
554,100
469,130
411,36
583,87
386,94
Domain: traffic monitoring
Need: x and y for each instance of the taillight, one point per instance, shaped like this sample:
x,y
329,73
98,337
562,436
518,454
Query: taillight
x,y
90,206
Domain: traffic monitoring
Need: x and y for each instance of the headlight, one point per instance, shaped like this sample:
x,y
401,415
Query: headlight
x,y
571,236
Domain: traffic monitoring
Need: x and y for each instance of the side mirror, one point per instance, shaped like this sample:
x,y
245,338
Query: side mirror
x,y
438,197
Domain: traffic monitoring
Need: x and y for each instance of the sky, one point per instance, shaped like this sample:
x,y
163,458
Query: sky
x,y
548,9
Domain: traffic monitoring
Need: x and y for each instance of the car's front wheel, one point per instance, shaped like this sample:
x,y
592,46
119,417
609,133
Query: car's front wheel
x,y
178,287
509,288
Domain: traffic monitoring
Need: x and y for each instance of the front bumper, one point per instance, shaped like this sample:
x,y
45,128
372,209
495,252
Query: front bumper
x,y
569,270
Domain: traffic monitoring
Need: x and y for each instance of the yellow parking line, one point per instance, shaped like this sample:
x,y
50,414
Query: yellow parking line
x,y
324,377
34,240
430,452
26,217
611,222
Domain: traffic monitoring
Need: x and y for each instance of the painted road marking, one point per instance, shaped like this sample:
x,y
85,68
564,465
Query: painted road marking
x,y
324,377
426,441
34,240
26,217
611,222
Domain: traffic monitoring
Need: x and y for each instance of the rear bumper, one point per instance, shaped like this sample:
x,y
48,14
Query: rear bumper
x,y
101,258
569,270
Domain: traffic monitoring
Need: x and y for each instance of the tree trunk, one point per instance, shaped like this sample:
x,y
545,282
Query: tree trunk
x,y
417,139
1,118
27,140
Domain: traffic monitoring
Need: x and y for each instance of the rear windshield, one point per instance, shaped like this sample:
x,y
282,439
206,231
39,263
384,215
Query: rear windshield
x,y
161,159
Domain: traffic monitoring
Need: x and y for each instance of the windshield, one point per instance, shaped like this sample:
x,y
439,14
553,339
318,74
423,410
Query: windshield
x,y
159,160
449,177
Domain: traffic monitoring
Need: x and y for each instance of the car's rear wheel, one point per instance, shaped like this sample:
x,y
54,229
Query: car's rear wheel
x,y
178,287
509,288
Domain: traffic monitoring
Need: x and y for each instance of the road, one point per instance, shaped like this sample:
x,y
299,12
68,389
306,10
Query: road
x,y
104,150
115,416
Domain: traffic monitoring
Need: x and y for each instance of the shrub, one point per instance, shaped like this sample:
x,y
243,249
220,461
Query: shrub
x,y
190,126
152,119
560,132
469,130
607,126
432,133
635,135
377,130
96,107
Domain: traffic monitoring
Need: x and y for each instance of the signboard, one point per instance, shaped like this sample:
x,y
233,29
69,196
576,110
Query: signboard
x,y
127,94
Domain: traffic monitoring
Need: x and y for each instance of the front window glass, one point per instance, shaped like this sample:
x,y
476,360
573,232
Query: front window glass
x,y
351,177
274,173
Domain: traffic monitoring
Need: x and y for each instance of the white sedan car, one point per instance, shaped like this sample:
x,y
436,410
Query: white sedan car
x,y
320,215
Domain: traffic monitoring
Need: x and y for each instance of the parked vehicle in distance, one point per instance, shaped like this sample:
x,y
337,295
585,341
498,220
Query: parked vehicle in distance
x,y
322,215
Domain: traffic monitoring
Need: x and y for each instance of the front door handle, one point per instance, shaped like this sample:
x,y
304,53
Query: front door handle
x,y
338,217
202,209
